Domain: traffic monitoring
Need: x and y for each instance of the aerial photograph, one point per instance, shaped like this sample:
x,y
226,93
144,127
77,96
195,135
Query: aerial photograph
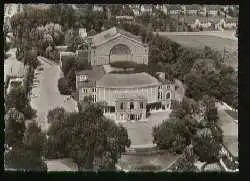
x,y
121,87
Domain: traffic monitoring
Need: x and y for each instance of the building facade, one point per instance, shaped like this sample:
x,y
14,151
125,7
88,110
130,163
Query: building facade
x,y
116,45
127,96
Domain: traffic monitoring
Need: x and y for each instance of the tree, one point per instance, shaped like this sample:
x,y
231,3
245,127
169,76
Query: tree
x,y
63,86
169,135
57,113
210,113
206,147
35,140
90,137
21,158
186,107
16,99
14,127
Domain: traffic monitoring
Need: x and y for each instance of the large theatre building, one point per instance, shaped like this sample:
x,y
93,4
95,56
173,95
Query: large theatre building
x,y
116,45
126,96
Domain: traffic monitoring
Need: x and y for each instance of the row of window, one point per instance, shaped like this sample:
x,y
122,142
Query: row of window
x,y
160,96
83,77
85,90
167,87
131,105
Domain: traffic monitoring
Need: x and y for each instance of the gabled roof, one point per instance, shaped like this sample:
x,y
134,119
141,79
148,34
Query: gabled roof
x,y
135,80
110,34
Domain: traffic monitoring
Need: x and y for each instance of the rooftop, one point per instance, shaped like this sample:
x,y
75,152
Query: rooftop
x,y
111,33
127,80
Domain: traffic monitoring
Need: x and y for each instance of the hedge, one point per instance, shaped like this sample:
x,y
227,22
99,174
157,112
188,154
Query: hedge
x,y
63,86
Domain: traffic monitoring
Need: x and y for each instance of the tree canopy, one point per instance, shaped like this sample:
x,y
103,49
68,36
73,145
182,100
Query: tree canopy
x,y
89,138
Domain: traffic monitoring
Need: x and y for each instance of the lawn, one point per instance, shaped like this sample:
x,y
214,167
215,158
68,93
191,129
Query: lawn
x,y
140,133
147,163
217,43
199,41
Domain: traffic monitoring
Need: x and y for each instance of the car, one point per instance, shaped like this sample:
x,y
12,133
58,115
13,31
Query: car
x,y
34,95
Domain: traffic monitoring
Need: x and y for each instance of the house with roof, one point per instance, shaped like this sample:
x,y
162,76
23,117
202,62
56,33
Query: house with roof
x,y
174,9
146,8
192,9
212,10
97,7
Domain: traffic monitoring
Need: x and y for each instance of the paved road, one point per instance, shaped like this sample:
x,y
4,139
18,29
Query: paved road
x,y
49,96
180,92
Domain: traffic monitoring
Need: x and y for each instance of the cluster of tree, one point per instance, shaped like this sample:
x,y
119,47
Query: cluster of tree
x,y
5,36
91,140
191,123
18,99
70,64
181,62
24,146
205,78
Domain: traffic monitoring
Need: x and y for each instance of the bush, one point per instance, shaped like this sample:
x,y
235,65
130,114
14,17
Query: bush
x,y
28,112
169,136
124,64
63,86
67,62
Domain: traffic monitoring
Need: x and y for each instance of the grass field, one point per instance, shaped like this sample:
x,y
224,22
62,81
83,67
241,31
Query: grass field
x,y
217,43
199,41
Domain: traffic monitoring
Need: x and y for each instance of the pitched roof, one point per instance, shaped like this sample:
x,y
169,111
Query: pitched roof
x,y
111,33
127,80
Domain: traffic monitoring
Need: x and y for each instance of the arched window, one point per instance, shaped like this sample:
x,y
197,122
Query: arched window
x,y
131,105
168,95
121,106
141,105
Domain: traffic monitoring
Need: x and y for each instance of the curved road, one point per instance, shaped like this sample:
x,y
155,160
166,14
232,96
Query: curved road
x,y
48,95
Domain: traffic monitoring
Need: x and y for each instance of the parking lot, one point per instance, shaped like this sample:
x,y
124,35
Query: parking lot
x,y
45,93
